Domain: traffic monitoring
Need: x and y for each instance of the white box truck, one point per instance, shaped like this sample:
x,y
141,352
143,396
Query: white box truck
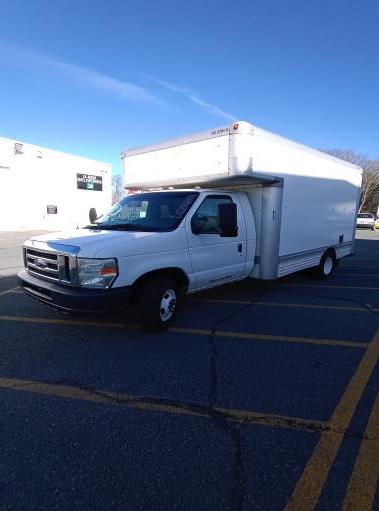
x,y
209,209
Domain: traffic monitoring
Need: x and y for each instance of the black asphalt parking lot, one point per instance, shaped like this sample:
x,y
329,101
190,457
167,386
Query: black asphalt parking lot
x,y
264,395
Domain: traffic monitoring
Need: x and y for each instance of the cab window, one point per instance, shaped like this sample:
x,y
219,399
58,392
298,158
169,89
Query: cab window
x,y
204,221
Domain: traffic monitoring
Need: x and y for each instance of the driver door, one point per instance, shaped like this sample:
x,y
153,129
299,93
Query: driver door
x,y
216,259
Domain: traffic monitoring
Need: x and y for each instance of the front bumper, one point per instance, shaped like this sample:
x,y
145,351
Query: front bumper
x,y
71,299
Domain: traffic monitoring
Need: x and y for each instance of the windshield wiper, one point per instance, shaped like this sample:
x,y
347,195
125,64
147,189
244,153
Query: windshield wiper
x,y
92,226
125,227
121,227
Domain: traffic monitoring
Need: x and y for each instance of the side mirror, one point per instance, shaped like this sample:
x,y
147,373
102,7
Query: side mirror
x,y
92,215
227,220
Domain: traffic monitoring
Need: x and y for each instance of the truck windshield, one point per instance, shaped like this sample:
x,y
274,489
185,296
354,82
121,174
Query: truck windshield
x,y
150,212
365,215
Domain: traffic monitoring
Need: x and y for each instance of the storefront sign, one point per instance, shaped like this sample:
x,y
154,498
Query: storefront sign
x,y
89,182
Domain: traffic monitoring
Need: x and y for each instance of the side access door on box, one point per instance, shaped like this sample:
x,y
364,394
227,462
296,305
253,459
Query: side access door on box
x,y
215,259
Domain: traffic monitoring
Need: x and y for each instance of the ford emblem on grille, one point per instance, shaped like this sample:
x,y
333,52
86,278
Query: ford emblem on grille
x,y
40,263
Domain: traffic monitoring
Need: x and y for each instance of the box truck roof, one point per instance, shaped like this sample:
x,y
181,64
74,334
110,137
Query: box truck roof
x,y
236,128
238,149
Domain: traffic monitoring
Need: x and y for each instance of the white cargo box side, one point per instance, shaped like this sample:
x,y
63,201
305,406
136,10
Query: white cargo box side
x,y
320,194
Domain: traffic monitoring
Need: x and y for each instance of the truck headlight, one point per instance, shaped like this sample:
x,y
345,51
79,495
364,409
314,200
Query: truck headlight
x,y
99,273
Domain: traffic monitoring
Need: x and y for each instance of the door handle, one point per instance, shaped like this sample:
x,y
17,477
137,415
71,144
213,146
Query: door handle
x,y
239,248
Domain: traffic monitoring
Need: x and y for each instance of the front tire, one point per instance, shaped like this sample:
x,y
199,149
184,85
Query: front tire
x,y
326,267
158,299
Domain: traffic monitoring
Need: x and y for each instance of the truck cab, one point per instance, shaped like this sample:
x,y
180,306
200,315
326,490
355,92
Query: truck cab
x,y
180,240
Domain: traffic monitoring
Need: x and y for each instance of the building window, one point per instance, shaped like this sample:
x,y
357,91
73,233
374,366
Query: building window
x,y
52,210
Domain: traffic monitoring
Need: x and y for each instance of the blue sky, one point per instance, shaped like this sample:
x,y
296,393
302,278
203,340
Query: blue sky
x,y
94,77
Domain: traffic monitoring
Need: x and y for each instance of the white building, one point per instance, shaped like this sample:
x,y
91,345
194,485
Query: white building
x,y
45,189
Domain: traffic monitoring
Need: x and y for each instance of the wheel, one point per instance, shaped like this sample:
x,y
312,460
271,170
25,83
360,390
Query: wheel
x,y
158,299
326,266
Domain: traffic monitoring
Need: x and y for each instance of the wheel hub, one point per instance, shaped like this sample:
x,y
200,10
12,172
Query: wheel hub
x,y
168,305
328,265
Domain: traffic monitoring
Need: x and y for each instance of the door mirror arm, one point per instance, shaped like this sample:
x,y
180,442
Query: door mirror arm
x,y
229,232
195,229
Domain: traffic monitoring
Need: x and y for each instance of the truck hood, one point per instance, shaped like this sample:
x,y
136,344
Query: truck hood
x,y
103,243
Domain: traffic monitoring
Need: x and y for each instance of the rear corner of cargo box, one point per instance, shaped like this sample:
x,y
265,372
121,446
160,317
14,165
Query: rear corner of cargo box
x,y
319,213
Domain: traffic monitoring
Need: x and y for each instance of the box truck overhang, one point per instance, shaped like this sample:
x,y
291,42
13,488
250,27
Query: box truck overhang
x,y
213,181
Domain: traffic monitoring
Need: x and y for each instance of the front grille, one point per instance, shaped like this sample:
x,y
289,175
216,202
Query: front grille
x,y
48,265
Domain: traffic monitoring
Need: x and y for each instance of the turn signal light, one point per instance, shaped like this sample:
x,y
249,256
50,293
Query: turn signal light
x,y
106,271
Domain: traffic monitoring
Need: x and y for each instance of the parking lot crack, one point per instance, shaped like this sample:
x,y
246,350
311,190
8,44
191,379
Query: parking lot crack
x,y
239,472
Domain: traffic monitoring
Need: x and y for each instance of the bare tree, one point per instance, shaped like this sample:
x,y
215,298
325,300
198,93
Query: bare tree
x,y
118,190
370,179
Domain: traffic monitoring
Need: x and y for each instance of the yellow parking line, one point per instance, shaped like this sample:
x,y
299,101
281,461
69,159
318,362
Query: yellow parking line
x,y
194,331
359,274
310,485
359,259
70,322
327,286
222,300
266,337
269,419
359,265
281,304
104,397
318,306
362,486
12,290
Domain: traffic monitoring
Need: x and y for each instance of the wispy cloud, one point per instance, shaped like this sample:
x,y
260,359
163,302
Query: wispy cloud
x,y
103,82
195,98
94,79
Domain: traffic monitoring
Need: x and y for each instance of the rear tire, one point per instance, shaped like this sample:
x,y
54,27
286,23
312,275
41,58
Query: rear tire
x,y
326,267
158,303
